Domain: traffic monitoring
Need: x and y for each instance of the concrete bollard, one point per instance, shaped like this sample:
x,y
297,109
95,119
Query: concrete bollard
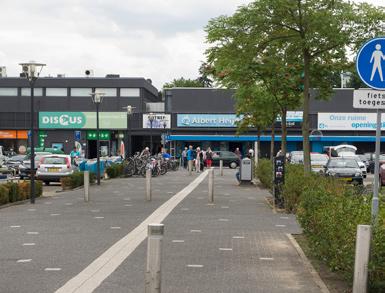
x,y
221,167
211,185
361,259
153,276
148,185
86,186
190,165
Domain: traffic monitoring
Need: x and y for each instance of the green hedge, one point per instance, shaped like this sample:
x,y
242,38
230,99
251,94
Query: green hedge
x,y
75,180
115,170
329,213
264,173
13,192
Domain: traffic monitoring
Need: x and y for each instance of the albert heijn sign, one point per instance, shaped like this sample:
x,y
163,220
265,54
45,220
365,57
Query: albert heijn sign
x,y
370,66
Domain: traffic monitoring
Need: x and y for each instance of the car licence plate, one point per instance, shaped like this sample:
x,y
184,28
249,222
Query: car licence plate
x,y
346,179
53,169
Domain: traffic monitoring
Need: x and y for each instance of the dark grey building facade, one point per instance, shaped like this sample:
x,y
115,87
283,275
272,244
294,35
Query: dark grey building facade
x,y
60,103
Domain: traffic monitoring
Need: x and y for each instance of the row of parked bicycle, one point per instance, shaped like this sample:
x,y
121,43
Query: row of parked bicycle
x,y
137,165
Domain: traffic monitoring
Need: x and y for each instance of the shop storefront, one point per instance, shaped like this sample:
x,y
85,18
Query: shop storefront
x,y
13,140
63,129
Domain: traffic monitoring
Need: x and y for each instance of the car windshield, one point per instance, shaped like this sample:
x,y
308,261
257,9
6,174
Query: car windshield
x,y
297,158
54,160
350,163
362,157
17,158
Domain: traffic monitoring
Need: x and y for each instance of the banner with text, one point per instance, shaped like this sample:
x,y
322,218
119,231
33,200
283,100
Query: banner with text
x,y
348,121
81,120
160,120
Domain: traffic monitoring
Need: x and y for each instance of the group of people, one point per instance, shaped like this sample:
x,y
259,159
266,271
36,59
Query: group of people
x,y
197,157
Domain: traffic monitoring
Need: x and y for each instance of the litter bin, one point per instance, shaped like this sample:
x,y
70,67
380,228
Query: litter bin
x,y
246,171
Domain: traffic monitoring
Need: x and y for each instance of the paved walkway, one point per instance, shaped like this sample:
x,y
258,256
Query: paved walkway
x,y
235,245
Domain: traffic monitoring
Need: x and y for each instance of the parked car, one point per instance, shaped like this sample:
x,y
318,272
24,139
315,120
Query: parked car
x,y
14,162
345,168
382,175
371,163
318,162
365,160
53,167
359,162
229,159
25,166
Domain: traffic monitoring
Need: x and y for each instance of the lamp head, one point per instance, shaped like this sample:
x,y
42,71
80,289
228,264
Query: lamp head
x,y
32,69
97,97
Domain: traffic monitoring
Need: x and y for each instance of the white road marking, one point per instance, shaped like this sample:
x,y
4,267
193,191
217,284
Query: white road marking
x,y
98,217
194,266
170,192
15,226
195,231
227,193
225,249
31,210
115,192
32,233
115,228
238,237
128,205
28,244
223,220
285,218
250,197
24,260
127,199
55,215
93,275
184,209
210,204
266,258
95,211
224,207
48,202
52,269
178,241
280,225
69,203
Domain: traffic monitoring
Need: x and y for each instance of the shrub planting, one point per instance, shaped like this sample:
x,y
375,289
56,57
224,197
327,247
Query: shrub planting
x,y
4,197
264,173
18,191
115,170
75,180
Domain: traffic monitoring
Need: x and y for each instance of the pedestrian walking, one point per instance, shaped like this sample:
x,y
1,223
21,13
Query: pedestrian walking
x,y
238,153
190,158
184,157
198,159
209,157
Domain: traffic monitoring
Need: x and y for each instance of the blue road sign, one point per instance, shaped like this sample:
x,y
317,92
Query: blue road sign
x,y
370,63
77,135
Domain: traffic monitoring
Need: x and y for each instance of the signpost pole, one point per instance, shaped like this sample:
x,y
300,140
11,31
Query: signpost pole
x,y
376,167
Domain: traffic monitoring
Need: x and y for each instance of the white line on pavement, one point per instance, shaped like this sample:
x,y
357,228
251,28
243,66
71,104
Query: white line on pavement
x,y
32,233
266,258
225,249
178,241
28,244
184,209
53,215
15,226
24,260
238,237
285,218
115,228
98,217
52,269
224,207
93,275
223,220
95,211
194,266
31,210
195,231
280,225
69,203
128,205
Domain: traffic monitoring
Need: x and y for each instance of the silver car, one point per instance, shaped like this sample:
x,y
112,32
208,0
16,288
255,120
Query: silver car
x,y
53,167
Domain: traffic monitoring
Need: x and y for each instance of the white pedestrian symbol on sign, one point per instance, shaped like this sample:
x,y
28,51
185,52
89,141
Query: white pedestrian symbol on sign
x,y
377,57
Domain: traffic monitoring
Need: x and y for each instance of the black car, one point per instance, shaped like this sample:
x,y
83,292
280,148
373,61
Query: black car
x,y
229,159
346,169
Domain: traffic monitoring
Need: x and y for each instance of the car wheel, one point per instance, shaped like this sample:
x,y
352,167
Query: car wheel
x,y
233,165
46,183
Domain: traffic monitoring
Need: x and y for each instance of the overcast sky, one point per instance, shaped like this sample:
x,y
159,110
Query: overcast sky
x,y
157,39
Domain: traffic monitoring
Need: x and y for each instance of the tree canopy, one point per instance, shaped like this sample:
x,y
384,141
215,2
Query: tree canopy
x,y
274,43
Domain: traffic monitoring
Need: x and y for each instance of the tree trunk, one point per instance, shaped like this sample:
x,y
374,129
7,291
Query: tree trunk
x,y
305,122
272,141
284,133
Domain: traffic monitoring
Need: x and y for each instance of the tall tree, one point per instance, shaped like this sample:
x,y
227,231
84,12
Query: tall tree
x,y
319,32
183,82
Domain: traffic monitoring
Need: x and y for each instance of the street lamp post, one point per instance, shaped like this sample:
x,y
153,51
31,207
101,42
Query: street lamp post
x,y
164,124
151,118
31,70
129,109
97,98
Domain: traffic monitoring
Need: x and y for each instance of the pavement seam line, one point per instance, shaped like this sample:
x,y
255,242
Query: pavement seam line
x,y
317,279
103,266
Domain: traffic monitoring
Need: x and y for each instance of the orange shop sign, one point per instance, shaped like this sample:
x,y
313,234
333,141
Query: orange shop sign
x,y
8,134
